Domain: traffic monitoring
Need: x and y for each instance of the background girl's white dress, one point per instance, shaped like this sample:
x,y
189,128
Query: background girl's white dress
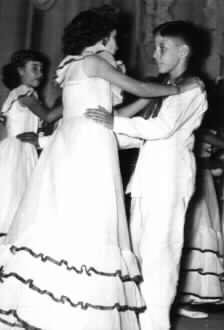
x,y
70,266
17,159
203,268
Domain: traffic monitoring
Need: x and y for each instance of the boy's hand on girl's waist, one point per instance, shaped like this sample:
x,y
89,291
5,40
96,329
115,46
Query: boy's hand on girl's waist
x,y
101,116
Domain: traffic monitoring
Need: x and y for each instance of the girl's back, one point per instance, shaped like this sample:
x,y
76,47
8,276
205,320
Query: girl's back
x,y
81,92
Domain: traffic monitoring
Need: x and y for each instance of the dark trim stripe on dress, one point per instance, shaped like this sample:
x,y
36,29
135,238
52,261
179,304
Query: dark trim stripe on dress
x,y
199,270
65,299
188,249
83,269
62,299
22,324
10,323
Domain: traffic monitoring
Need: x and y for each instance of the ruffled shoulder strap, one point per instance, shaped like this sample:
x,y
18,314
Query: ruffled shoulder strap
x,y
63,67
66,63
15,95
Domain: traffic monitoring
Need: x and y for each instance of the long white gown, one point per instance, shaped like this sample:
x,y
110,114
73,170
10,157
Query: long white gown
x,y
67,262
17,159
202,274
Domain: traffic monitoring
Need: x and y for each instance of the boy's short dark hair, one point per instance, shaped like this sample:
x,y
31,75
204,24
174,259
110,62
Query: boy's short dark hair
x,y
182,30
190,34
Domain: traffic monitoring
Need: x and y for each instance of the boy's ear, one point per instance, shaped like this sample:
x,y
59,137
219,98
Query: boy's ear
x,y
184,51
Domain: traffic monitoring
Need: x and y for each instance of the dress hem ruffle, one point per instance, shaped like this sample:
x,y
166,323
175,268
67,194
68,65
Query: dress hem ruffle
x,y
88,270
26,281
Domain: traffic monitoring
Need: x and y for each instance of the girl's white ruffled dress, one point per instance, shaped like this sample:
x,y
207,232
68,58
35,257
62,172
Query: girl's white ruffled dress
x,y
203,270
17,159
67,262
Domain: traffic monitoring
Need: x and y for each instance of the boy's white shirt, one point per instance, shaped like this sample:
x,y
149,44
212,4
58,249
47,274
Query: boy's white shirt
x,y
169,133
128,142
124,141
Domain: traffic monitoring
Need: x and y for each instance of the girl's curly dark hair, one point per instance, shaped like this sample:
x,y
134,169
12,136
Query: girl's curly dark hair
x,y
89,27
10,74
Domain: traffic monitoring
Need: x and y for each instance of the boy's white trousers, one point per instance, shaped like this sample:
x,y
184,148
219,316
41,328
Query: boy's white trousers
x,y
157,233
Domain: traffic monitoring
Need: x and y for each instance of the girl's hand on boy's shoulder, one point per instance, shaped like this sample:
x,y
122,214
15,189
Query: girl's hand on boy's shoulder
x,y
190,83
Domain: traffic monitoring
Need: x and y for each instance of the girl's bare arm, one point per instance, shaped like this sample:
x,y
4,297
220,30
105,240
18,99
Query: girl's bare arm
x,y
34,104
96,66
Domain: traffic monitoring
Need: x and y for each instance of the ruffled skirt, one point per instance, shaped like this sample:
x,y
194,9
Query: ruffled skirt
x,y
202,274
66,263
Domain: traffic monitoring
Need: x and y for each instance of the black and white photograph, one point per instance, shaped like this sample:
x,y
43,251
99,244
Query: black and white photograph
x,y
111,164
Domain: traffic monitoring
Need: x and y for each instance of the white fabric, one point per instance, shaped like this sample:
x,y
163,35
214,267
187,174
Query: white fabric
x,y
43,141
203,269
157,238
73,212
17,159
127,142
161,187
169,141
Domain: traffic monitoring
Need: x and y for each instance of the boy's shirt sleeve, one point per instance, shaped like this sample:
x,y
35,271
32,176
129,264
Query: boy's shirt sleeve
x,y
174,113
128,142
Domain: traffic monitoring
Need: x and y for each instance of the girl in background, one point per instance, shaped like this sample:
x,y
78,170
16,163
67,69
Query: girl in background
x,y
201,280
22,111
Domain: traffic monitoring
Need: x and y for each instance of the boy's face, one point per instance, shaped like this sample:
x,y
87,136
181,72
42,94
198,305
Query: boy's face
x,y
169,55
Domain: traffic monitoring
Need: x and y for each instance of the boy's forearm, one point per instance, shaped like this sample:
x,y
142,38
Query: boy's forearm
x,y
127,142
138,127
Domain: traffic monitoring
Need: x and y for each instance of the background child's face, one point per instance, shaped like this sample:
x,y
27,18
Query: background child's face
x,y
31,74
111,45
168,54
